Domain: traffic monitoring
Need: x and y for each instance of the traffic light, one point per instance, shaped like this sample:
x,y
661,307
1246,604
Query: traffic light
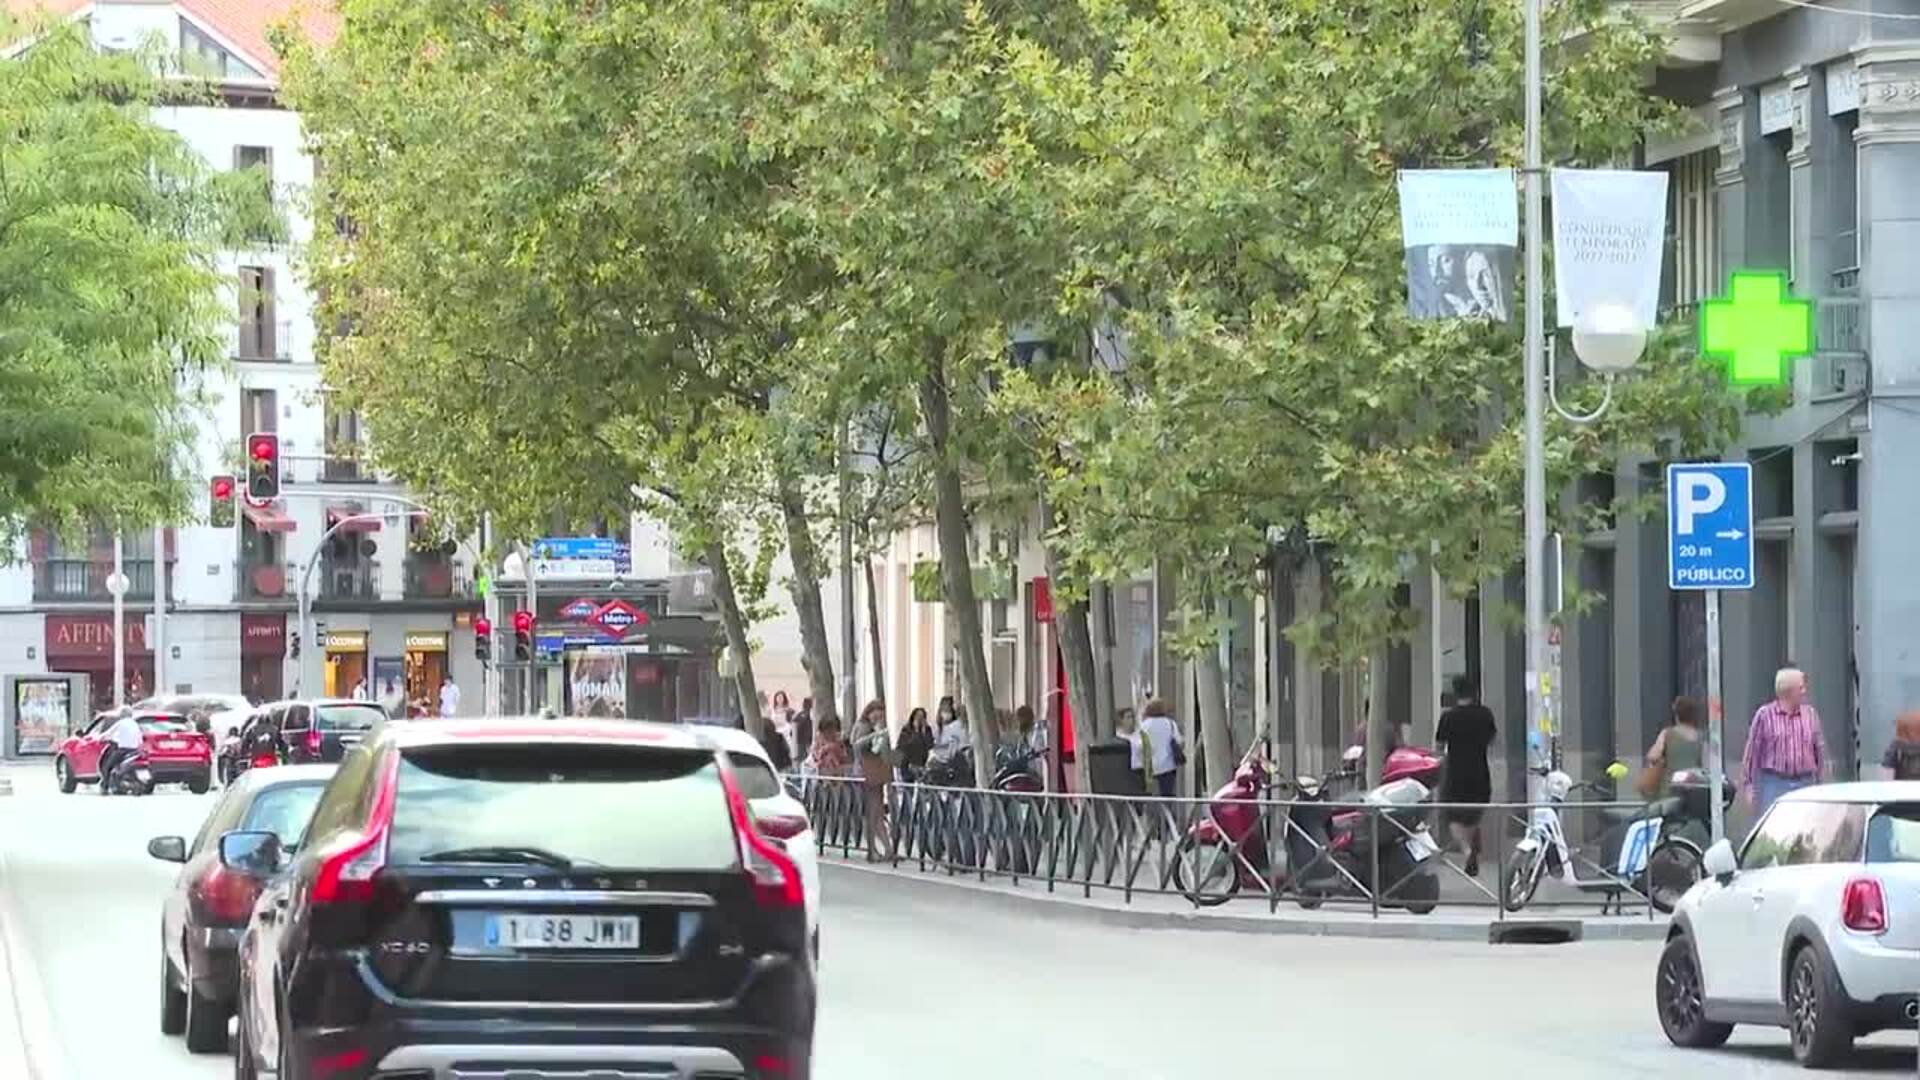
x,y
293,645
221,513
263,467
523,635
482,640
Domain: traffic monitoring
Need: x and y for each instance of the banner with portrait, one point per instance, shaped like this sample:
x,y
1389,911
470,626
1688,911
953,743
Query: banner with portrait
x,y
1460,228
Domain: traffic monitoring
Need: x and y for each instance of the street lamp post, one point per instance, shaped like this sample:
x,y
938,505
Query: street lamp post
x,y
1534,370
117,585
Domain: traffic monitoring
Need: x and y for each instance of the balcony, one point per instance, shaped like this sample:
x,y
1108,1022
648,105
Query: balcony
x,y
263,342
433,578
343,580
84,581
262,581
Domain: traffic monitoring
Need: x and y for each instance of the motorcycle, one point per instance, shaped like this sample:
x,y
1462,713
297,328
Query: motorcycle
x,y
1015,770
1661,847
1226,850
1336,857
258,748
131,775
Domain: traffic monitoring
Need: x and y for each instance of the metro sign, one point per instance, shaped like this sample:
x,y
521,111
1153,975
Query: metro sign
x,y
616,617
580,610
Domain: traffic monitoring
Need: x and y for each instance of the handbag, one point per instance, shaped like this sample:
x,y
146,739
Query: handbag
x,y
1179,752
1650,781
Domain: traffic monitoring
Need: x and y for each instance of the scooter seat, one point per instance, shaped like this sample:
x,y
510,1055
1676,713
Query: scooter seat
x,y
1618,815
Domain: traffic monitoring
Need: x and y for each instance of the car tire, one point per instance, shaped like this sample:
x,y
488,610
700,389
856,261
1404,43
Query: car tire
x,y
244,1067
1680,999
1817,1022
200,784
63,773
173,1000
206,1021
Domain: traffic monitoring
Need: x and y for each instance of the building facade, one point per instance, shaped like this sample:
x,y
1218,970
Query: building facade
x,y
391,601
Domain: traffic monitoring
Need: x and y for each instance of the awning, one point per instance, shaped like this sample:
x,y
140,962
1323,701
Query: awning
x,y
269,518
354,522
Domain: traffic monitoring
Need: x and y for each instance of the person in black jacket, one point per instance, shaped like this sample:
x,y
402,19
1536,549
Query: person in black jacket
x,y
915,745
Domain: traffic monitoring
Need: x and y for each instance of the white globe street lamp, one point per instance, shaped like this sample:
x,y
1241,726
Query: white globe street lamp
x,y
1609,339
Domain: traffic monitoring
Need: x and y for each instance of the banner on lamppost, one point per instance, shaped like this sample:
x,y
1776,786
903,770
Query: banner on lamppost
x,y
1609,226
1460,228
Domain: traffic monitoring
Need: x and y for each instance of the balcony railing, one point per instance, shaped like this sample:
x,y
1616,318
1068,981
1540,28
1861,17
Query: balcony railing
x,y
264,342
1839,326
349,580
58,581
435,579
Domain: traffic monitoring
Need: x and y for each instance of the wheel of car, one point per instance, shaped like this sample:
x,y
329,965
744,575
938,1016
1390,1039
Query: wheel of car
x,y
1682,1005
1816,1017
206,1020
173,1000
199,784
63,772
243,1065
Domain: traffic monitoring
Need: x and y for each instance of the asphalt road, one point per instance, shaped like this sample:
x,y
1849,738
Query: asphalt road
x,y
924,986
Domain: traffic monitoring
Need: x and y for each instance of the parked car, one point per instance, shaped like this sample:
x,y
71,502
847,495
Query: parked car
x,y
779,815
321,730
1813,926
176,753
224,712
546,897
211,901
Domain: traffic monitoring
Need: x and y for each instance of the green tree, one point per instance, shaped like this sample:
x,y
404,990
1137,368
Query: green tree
x,y
110,289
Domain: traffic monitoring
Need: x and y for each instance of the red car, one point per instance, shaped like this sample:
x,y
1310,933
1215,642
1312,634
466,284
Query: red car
x,y
175,751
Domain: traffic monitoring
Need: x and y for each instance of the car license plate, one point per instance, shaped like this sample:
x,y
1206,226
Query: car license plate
x,y
563,931
1420,847
172,744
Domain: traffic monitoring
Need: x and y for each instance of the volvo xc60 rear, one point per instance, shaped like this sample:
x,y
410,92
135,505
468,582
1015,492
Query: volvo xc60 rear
x,y
485,899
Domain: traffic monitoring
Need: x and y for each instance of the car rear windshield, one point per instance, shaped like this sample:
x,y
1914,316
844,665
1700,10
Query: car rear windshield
x,y
347,717
754,775
164,725
613,806
284,811
1893,836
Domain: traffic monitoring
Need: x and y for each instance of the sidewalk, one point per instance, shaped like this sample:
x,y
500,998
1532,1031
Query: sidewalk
x,y
1150,911
26,1048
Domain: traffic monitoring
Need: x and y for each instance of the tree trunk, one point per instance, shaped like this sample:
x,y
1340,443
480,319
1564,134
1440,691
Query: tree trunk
x,y
873,635
1100,618
1076,655
956,568
804,584
1216,740
735,626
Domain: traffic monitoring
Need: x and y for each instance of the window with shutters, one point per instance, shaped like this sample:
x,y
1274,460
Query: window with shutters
x,y
1694,221
259,334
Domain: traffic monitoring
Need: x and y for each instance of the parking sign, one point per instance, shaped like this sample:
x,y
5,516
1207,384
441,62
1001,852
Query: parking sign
x,y
1710,526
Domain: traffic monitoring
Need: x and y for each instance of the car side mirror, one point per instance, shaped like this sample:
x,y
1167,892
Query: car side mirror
x,y
168,848
256,853
1720,862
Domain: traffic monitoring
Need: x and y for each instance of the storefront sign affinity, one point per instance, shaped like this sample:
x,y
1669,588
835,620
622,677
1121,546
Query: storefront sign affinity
x,y
263,635
1460,228
1608,225
72,637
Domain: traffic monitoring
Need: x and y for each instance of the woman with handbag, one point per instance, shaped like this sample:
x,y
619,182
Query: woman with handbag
x,y
1162,752
1679,747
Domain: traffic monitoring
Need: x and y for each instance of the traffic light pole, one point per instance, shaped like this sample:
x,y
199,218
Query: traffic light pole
x,y
533,654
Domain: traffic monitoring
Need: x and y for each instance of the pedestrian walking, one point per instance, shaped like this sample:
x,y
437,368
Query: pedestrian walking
x,y
1903,754
914,745
951,736
1677,748
872,753
803,729
449,697
1162,750
778,752
1785,747
1467,731
1127,730
828,755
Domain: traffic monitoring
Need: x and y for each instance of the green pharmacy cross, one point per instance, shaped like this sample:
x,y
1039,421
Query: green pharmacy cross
x,y
1757,328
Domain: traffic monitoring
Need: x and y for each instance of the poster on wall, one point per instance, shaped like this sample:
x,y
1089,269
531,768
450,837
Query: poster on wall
x,y
1460,228
390,685
41,709
597,684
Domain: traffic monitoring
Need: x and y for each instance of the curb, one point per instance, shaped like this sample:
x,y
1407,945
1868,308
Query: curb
x,y
1041,904
28,1047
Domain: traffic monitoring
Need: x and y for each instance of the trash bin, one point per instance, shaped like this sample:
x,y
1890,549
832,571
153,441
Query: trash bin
x,y
1109,769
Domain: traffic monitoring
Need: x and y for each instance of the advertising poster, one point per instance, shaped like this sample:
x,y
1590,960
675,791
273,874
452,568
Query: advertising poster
x,y
597,684
1460,228
1608,230
41,709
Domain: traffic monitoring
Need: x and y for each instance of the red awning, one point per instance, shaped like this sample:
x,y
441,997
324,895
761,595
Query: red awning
x,y
336,515
269,518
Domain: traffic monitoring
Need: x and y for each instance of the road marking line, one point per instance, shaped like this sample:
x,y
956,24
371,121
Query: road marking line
x,y
27,1011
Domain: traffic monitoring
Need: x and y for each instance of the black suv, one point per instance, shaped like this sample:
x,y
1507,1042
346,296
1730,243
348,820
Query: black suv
x,y
528,897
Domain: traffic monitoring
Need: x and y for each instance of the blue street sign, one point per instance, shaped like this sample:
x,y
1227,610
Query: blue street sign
x,y
1710,526
578,548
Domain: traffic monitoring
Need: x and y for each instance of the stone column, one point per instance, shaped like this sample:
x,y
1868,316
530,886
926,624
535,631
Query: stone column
x,y
1739,126
1888,589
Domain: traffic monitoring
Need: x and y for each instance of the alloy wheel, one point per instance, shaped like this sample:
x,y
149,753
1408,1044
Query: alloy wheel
x,y
1803,1008
1680,999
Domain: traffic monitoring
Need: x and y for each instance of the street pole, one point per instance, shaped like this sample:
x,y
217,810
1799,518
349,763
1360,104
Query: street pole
x,y
1716,719
1534,373
534,673
159,642
118,584
848,696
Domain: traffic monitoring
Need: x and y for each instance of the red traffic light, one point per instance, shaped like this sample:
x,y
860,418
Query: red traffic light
x,y
482,627
222,488
263,447
523,622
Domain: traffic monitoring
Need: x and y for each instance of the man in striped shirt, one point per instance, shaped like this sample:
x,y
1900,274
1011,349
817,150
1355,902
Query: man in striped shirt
x,y
1785,749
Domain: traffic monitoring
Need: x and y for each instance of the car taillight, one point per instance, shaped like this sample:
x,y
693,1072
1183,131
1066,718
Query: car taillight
x,y
781,826
313,740
225,897
1863,906
263,761
776,880
346,872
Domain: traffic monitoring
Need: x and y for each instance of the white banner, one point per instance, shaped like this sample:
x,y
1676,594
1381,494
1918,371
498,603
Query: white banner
x,y
1459,228
1608,230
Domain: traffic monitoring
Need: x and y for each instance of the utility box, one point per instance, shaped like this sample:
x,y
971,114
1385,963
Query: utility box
x,y
41,711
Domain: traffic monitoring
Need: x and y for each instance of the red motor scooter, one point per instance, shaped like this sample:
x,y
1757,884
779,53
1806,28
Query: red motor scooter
x,y
1227,850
